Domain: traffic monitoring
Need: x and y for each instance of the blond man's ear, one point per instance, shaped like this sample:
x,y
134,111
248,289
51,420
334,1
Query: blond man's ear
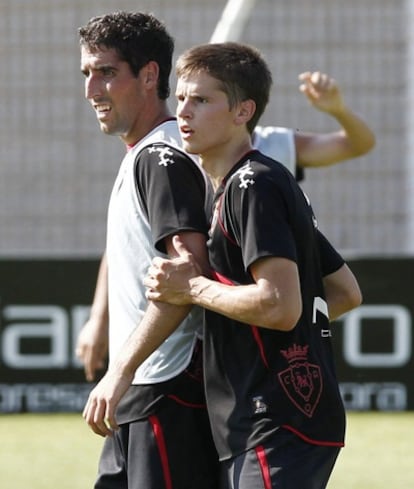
x,y
246,111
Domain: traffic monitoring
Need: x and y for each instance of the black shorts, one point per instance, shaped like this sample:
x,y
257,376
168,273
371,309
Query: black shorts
x,y
169,444
284,462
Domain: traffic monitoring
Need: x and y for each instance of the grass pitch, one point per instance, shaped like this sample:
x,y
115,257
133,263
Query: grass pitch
x,y
379,452
45,451
52,451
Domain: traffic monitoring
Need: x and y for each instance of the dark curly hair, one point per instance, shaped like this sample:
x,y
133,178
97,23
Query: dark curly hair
x,y
137,37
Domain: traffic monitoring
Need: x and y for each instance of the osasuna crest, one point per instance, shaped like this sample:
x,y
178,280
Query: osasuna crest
x,y
302,380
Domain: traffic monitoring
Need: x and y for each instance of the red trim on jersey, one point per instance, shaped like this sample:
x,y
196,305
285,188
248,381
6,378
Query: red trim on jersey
x,y
160,441
264,467
221,278
225,232
255,329
193,376
185,403
311,440
221,223
259,342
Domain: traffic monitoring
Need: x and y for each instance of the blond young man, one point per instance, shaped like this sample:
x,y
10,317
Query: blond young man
x,y
274,403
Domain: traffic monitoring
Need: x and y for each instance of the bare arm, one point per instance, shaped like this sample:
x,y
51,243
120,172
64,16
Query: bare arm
x,y
92,343
273,301
354,138
159,321
342,292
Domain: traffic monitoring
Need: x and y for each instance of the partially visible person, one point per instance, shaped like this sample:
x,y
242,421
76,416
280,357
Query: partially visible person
x,y
162,438
298,150
273,398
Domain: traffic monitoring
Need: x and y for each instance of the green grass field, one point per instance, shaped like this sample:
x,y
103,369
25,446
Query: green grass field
x,y
59,451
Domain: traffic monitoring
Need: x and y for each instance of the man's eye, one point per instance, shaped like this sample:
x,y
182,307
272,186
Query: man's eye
x,y
108,72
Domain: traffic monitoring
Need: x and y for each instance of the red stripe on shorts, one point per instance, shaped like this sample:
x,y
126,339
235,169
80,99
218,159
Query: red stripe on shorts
x,y
264,467
160,441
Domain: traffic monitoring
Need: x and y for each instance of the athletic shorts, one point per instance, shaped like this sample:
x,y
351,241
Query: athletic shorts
x,y
284,462
168,445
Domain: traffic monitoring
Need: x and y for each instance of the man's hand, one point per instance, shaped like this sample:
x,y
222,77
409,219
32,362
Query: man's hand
x,y
99,411
92,347
322,91
169,280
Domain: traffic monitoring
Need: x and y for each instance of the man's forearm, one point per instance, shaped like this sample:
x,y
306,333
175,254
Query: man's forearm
x,y
159,321
259,303
99,309
359,137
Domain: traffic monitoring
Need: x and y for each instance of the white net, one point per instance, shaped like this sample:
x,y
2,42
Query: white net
x,y
56,168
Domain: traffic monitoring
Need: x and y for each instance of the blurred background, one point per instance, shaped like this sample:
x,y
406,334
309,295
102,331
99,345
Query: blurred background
x,y
56,168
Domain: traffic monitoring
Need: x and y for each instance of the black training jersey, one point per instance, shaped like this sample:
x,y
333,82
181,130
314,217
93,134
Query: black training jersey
x,y
257,379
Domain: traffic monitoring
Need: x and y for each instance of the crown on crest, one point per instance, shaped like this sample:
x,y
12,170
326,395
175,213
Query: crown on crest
x,y
295,352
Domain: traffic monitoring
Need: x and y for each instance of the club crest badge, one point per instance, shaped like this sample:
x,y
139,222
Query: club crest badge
x,y
301,381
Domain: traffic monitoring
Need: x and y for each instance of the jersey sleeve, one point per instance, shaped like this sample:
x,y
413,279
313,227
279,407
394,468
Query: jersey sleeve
x,y
331,260
172,190
261,219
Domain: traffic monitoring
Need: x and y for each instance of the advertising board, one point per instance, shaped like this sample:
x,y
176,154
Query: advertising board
x,y
44,303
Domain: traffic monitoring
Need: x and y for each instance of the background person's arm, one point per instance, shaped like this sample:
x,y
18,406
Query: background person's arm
x,y
92,342
342,292
354,138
